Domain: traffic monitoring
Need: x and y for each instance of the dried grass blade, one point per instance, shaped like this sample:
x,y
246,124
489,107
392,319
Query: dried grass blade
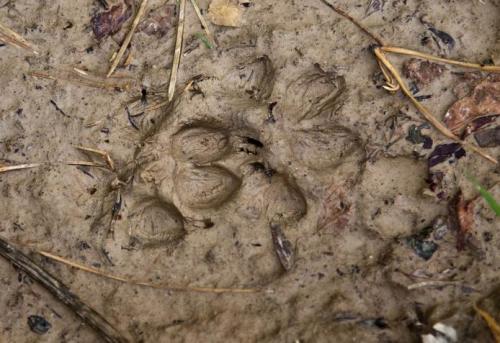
x,y
4,169
128,38
178,50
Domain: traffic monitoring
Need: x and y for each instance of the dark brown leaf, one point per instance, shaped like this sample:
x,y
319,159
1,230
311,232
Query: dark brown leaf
x,y
443,152
443,37
488,138
110,22
478,123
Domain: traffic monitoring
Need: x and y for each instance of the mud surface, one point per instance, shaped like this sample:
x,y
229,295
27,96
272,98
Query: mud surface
x,y
285,137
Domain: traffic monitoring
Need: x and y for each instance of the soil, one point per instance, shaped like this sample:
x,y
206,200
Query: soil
x,y
286,127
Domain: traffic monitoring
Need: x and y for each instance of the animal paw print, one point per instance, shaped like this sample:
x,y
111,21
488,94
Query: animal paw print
x,y
212,152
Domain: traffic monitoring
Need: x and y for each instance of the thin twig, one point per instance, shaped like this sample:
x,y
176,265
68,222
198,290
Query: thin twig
x,y
425,112
4,169
128,38
204,23
10,37
354,21
178,50
147,284
61,292
408,52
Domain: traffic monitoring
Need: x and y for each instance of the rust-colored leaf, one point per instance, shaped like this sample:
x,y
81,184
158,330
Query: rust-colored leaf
x,y
483,101
461,218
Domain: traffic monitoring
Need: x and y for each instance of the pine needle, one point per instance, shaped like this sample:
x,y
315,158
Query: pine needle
x,y
10,37
4,169
178,50
128,38
146,284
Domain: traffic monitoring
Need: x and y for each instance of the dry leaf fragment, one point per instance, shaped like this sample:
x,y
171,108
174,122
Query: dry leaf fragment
x,y
422,72
483,101
225,13
461,218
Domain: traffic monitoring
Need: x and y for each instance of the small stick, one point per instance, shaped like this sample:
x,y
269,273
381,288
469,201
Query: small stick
x,y
425,112
178,49
88,315
128,38
10,37
146,284
408,52
203,23
104,154
354,21
4,169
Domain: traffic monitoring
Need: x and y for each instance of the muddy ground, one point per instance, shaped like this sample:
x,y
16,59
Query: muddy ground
x,y
247,149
